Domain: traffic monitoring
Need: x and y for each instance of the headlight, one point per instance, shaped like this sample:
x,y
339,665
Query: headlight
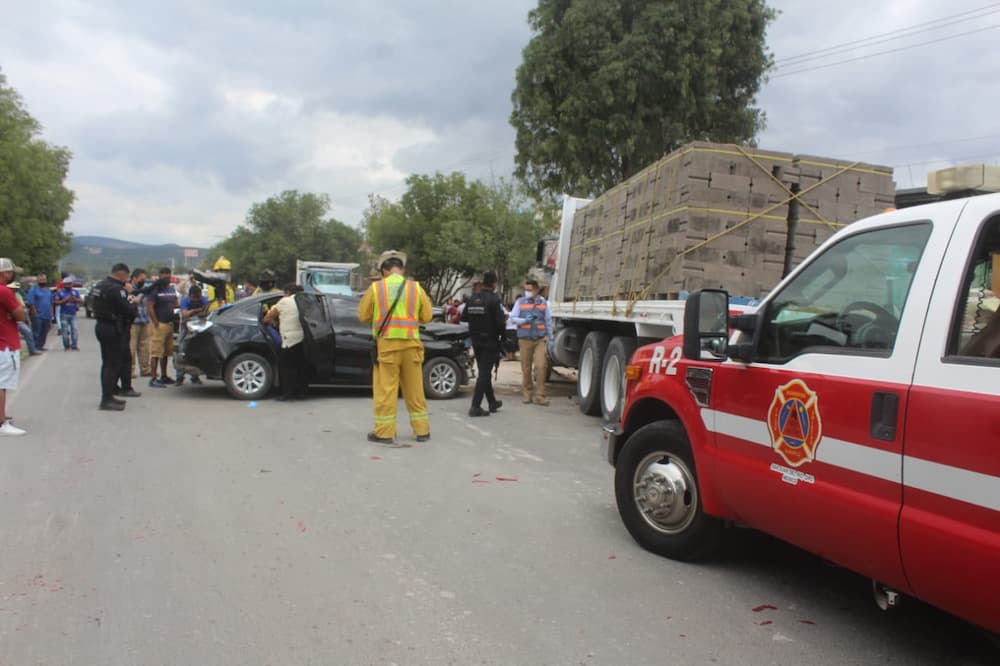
x,y
198,325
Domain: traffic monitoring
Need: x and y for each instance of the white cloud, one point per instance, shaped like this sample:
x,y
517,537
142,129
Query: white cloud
x,y
182,114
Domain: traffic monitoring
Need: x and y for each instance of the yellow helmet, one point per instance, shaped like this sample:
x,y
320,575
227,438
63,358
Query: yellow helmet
x,y
222,264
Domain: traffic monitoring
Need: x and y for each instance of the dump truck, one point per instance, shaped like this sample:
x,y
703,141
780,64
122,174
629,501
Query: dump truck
x,y
328,277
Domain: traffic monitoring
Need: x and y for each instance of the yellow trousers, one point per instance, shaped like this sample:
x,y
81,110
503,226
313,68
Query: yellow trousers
x,y
399,367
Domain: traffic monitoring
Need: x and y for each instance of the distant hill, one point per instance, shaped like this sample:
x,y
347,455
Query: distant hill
x,y
93,256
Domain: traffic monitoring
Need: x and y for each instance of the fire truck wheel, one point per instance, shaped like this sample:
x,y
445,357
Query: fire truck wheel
x,y
613,378
588,383
658,497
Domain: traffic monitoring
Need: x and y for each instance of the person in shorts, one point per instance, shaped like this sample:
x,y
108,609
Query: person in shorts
x,y
11,312
161,302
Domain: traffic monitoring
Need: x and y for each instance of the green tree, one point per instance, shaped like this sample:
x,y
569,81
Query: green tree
x,y
34,202
431,223
501,235
453,230
292,225
607,87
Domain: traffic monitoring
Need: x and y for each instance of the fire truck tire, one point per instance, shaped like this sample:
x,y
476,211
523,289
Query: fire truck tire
x,y
588,383
613,378
658,496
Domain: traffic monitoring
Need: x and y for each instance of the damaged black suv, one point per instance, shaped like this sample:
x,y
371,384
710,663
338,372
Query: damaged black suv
x,y
233,344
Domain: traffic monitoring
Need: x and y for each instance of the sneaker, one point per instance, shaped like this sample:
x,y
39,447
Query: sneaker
x,y
10,430
526,401
129,393
544,402
384,441
424,438
478,411
157,383
495,407
167,380
35,353
111,406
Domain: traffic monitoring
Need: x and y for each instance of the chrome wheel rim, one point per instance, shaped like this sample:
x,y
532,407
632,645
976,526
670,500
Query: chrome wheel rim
x,y
249,377
442,378
586,372
612,385
665,493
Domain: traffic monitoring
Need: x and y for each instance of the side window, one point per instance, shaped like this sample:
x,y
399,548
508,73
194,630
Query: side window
x,y
344,314
849,299
976,327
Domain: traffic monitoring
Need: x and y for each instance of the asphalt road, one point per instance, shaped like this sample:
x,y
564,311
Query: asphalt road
x,y
195,529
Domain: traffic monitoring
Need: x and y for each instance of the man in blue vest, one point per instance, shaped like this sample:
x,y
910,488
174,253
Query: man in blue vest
x,y
534,324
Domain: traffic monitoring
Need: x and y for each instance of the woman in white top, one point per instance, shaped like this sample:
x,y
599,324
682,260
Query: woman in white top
x,y
293,373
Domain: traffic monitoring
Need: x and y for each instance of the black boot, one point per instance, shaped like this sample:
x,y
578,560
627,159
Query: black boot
x,y
478,411
495,407
111,405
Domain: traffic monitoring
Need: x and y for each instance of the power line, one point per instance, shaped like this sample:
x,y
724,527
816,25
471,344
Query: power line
x,y
878,53
857,44
949,142
948,159
916,28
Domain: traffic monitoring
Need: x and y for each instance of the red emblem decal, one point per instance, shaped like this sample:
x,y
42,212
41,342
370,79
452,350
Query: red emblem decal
x,y
794,423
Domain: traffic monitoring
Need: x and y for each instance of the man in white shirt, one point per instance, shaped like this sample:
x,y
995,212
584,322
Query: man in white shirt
x,y
293,373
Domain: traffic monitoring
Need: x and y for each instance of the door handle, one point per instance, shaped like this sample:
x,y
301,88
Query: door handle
x,y
885,413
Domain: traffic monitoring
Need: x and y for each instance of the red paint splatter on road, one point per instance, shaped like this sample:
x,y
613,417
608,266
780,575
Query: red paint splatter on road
x,y
478,474
757,609
375,458
612,557
506,478
683,635
766,622
480,481
807,622
301,527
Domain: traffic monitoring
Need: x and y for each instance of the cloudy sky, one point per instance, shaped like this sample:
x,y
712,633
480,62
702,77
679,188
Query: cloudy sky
x,y
182,113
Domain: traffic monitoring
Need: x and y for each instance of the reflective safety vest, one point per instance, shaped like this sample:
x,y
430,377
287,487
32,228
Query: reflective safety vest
x,y
214,303
533,329
403,323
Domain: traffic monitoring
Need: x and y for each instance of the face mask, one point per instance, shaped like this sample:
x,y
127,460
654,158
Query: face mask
x,y
529,294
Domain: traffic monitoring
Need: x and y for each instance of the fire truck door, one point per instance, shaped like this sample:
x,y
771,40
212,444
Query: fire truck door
x,y
950,523
808,441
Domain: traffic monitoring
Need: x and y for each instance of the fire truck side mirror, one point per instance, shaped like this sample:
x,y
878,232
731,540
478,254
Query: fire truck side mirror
x,y
706,325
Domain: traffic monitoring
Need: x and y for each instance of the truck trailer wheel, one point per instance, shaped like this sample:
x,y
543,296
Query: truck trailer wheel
x,y
613,378
658,495
588,383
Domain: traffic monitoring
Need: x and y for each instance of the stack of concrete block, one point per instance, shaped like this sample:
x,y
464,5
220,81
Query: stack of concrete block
x,y
714,216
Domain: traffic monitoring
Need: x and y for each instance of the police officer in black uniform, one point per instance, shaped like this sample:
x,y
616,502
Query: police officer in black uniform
x,y
487,322
114,312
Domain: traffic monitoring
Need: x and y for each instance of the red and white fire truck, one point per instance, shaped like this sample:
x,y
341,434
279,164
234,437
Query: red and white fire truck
x,y
855,413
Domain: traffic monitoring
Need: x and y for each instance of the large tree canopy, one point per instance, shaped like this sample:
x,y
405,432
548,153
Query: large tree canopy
x,y
284,228
452,230
34,202
608,86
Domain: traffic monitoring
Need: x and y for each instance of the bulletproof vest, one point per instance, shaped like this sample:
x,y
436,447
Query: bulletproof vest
x,y
479,314
106,290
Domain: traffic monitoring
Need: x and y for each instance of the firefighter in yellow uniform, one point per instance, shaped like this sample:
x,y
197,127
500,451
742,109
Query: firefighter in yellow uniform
x,y
400,352
223,269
